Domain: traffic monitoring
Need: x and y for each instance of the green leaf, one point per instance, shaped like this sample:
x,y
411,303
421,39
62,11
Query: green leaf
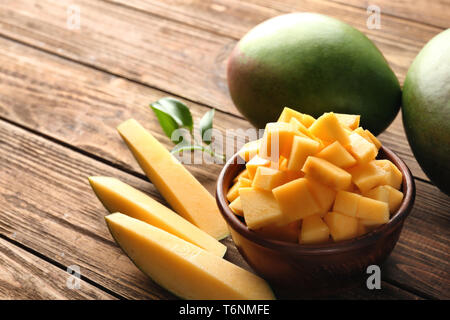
x,y
206,124
178,111
168,124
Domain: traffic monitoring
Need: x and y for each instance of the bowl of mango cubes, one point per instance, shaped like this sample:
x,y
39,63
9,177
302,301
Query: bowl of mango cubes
x,y
315,202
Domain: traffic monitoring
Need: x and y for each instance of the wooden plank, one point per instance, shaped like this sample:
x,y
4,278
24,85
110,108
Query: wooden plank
x,y
47,205
435,13
23,276
178,56
81,107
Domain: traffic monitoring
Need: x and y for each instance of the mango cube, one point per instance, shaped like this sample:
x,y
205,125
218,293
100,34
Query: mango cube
x,y
295,200
288,233
349,120
236,206
363,150
342,227
277,140
314,230
323,195
254,163
327,173
374,139
346,203
287,114
387,194
337,155
393,174
267,178
243,174
259,207
249,150
374,210
301,149
328,128
368,176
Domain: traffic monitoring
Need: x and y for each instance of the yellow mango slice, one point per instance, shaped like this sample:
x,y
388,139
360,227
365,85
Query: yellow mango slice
x,y
302,148
287,233
393,174
267,178
327,173
387,194
295,200
233,192
346,203
307,120
342,227
236,207
337,155
287,114
349,120
182,268
374,139
116,195
242,174
314,230
374,210
328,128
254,163
323,195
249,150
177,185
363,150
368,176
276,141
260,207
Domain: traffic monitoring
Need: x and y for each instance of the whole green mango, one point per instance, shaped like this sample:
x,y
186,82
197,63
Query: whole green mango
x,y
314,64
426,109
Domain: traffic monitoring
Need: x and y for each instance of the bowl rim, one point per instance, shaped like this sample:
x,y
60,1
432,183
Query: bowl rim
x,y
370,238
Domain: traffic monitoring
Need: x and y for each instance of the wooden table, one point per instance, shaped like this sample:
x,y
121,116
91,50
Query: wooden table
x,y
64,89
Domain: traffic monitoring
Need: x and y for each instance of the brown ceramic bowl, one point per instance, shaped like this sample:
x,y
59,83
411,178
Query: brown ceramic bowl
x,y
312,270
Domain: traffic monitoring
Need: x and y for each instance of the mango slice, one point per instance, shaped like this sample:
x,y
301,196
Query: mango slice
x,y
302,148
295,200
254,163
346,203
363,150
182,268
116,195
236,207
388,194
267,178
277,140
328,128
323,195
374,210
342,227
177,185
327,173
351,121
314,230
249,150
336,154
260,207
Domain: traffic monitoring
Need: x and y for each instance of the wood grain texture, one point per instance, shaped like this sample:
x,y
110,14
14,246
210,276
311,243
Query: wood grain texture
x,y
81,107
48,204
177,56
435,13
24,276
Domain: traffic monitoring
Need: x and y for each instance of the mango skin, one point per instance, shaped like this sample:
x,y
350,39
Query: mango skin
x,y
426,109
314,64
